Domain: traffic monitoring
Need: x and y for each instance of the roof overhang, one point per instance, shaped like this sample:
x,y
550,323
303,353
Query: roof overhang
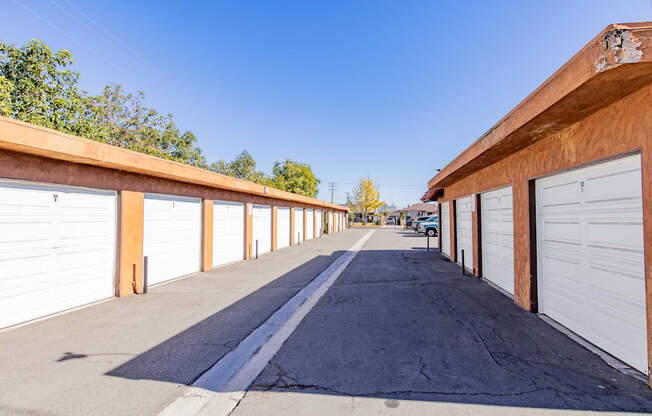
x,y
617,62
18,136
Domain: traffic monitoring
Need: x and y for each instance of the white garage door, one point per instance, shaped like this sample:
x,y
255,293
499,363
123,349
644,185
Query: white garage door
x,y
318,221
298,224
310,225
591,275
57,249
261,229
171,236
228,232
283,223
330,222
464,230
498,238
445,229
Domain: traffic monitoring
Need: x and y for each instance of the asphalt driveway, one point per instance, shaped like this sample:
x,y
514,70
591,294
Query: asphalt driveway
x,y
133,356
403,325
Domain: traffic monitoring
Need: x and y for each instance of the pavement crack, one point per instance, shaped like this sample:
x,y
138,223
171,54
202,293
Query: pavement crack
x,y
422,372
491,354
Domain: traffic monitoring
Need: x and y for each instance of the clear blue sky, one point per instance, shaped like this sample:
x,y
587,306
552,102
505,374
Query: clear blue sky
x,y
387,89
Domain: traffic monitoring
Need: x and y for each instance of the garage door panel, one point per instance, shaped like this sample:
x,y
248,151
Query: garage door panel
x,y
463,231
562,231
617,185
591,269
310,224
616,233
262,229
228,232
57,249
560,191
619,284
445,229
298,224
172,236
283,222
318,219
497,237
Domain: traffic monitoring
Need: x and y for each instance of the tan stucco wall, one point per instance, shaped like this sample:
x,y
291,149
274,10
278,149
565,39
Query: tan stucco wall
x,y
130,243
15,165
29,139
621,128
207,235
274,228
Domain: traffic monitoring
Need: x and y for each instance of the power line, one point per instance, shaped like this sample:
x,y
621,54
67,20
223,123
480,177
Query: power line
x,y
103,34
72,38
332,186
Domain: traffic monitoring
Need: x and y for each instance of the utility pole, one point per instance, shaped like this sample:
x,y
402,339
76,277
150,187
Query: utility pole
x,y
332,186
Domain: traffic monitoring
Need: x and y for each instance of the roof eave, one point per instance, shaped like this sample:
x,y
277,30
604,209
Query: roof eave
x,y
598,75
22,137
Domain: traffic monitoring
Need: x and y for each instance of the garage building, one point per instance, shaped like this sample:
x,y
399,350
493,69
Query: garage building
x,y
82,221
553,205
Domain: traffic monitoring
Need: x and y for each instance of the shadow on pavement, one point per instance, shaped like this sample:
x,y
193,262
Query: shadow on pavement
x,y
403,324
186,356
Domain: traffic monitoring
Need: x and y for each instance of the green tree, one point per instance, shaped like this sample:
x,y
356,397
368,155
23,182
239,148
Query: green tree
x,y
37,86
295,177
126,122
242,167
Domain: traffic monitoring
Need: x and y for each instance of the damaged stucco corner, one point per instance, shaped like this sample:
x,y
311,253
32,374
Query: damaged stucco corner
x,y
620,47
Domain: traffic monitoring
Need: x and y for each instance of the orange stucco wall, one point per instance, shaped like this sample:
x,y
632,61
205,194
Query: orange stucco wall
x,y
207,235
274,228
130,243
621,128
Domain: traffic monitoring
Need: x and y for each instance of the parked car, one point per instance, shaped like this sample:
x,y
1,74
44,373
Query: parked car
x,y
415,224
390,221
429,227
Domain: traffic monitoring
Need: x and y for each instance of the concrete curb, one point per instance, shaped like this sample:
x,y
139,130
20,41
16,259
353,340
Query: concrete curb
x,y
219,390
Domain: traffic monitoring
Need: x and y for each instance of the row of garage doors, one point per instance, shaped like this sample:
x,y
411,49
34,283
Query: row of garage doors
x,y
590,251
58,244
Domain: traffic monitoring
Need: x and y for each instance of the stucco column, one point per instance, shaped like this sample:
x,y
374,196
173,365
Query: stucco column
x,y
314,223
207,235
130,242
521,212
292,242
274,228
305,228
249,208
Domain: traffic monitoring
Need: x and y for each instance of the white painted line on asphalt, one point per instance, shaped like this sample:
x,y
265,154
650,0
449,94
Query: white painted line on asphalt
x,y
219,390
